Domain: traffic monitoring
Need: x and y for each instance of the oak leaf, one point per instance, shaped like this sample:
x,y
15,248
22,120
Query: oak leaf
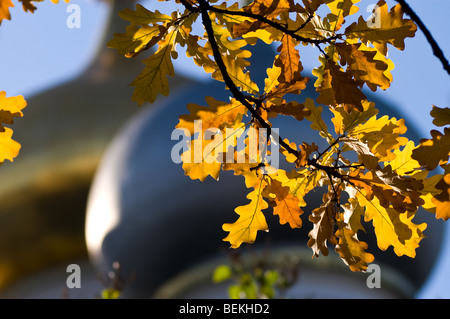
x,y
136,39
363,66
339,10
216,115
337,87
10,107
442,200
351,250
198,164
382,135
4,9
142,17
441,116
288,60
251,219
153,79
9,148
284,204
268,8
323,220
393,29
294,109
345,122
404,164
392,228
432,152
315,117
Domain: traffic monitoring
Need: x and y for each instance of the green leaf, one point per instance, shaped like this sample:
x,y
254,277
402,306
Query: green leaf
x,y
222,273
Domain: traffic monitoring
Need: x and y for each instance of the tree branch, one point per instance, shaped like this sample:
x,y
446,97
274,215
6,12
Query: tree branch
x,y
237,94
436,49
274,25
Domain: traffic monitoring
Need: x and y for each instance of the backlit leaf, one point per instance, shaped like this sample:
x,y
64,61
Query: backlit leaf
x,y
351,249
251,219
284,204
392,29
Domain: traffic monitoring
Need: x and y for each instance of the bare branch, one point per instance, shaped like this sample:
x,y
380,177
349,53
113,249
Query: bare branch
x,y
436,49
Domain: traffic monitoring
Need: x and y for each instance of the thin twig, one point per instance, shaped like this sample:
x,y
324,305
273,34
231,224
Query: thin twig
x,y
238,95
436,49
272,24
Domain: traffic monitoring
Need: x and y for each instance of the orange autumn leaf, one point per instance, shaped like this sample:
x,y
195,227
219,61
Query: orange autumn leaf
x,y
4,9
284,204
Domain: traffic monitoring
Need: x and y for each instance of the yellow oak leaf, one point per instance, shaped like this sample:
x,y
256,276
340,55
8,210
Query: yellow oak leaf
x,y
206,153
315,117
305,151
391,227
345,122
363,66
216,115
10,107
153,79
392,28
404,164
198,163
8,147
251,219
197,52
382,135
300,182
284,204
141,16
339,10
136,39
291,158
235,68
429,190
